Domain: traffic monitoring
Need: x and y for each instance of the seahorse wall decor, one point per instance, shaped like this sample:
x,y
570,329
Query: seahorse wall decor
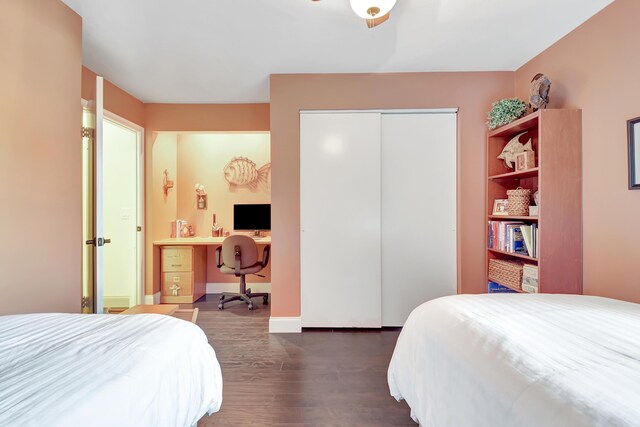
x,y
242,172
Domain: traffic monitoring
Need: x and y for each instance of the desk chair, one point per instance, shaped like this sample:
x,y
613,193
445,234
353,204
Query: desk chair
x,y
238,255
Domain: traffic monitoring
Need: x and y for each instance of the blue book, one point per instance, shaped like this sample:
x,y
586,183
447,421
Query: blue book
x,y
496,288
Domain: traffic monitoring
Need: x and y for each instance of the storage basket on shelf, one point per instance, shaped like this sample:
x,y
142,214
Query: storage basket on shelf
x,y
506,272
519,200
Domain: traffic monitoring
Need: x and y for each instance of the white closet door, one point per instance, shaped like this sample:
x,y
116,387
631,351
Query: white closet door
x,y
340,220
418,212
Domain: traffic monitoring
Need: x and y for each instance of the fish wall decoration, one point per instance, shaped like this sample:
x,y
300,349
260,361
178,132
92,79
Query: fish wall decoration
x,y
242,172
512,148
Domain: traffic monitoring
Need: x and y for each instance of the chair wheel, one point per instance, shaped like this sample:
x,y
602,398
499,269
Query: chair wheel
x,y
250,306
220,306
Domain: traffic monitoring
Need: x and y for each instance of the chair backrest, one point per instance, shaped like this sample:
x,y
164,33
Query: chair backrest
x,y
248,251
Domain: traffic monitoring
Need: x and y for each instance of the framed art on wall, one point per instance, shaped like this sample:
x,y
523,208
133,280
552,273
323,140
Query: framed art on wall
x,y
633,134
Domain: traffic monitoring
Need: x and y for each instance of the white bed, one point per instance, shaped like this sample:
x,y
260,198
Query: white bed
x,y
105,370
520,360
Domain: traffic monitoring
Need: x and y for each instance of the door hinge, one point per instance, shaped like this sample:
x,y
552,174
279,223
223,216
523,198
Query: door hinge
x,y
87,132
86,303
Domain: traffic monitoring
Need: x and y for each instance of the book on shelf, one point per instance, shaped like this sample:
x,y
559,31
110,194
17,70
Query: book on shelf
x,y
530,278
507,236
496,288
530,235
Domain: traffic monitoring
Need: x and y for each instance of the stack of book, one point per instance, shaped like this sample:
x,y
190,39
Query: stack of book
x,y
506,236
514,237
530,278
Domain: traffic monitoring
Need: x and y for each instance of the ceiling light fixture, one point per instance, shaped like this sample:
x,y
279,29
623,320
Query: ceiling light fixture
x,y
372,9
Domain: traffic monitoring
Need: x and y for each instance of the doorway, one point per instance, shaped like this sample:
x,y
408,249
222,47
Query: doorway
x,y
112,196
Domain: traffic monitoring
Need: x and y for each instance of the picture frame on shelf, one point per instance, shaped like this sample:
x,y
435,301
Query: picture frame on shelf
x,y
501,207
525,160
633,139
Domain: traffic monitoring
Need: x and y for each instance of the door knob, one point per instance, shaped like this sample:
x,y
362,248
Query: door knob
x,y
107,241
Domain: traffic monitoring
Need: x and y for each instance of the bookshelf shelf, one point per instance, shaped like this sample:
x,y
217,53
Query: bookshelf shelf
x,y
529,173
556,137
512,254
512,218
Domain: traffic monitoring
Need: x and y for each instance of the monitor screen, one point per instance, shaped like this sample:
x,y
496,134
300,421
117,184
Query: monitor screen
x,y
252,217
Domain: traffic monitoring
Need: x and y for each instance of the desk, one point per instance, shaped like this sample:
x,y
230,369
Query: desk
x,y
183,267
200,241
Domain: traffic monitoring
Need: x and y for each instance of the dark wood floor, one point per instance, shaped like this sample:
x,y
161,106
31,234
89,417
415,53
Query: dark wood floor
x,y
317,378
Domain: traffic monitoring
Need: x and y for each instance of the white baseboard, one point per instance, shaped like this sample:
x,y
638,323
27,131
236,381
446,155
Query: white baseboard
x,y
218,288
284,325
152,299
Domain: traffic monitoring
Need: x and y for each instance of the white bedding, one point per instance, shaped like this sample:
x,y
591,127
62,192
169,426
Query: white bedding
x,y
105,370
520,360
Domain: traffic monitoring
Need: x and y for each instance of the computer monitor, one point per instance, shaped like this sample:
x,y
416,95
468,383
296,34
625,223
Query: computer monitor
x,y
252,217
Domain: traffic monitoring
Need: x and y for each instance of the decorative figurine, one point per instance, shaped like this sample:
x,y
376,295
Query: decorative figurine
x,y
512,148
242,172
539,92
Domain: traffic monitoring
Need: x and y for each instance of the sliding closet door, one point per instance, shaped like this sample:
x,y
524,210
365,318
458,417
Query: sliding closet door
x,y
418,211
340,219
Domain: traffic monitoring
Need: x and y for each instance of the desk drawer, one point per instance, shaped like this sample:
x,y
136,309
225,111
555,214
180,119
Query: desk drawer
x,y
177,258
182,279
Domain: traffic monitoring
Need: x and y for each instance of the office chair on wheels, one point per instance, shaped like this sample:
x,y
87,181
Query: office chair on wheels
x,y
238,255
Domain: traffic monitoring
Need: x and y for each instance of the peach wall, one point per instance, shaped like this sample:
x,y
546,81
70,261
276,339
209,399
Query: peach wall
x,y
164,152
207,117
116,100
41,157
201,159
596,68
174,118
472,93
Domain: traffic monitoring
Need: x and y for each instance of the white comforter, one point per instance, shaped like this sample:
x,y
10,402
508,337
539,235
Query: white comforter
x,y
520,360
105,370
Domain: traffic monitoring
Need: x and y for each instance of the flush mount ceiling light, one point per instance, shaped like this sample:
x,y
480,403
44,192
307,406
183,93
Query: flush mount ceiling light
x,y
374,12
372,9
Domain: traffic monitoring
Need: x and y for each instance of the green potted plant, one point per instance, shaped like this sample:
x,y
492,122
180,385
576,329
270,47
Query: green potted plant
x,y
505,111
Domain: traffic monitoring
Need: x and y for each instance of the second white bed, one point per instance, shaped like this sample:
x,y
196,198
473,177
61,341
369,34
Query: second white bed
x,y
520,361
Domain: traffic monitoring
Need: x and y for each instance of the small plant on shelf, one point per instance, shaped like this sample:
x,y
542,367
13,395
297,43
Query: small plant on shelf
x,y
505,111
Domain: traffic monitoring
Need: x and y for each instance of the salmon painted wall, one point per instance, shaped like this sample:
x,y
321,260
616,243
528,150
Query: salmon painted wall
x,y
596,68
202,158
472,93
40,157
175,118
116,100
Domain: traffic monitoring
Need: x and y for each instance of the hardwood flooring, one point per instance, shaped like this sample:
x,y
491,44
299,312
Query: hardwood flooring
x,y
317,378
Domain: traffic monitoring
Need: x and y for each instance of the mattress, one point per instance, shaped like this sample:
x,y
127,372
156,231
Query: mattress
x,y
520,360
105,370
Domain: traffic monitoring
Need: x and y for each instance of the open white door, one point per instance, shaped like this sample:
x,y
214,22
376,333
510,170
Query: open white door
x,y
98,241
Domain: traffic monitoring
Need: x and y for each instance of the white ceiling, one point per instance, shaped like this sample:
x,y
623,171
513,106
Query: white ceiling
x,y
222,51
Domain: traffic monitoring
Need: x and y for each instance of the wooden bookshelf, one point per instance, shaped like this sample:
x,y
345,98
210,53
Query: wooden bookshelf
x,y
529,173
512,218
515,255
556,136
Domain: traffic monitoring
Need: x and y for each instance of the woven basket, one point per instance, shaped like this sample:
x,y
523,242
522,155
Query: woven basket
x,y
519,200
506,272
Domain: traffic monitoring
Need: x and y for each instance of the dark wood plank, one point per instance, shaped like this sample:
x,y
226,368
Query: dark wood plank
x,y
317,378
